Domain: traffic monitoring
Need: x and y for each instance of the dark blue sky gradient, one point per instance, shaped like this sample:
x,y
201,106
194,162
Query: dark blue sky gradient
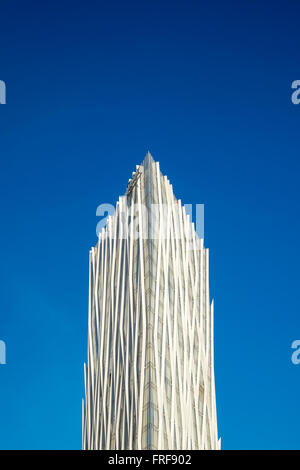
x,y
206,87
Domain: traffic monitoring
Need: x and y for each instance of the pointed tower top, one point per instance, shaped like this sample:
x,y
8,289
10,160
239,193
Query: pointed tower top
x,y
148,160
148,154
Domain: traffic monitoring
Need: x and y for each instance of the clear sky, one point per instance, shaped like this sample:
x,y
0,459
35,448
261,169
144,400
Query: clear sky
x,y
206,87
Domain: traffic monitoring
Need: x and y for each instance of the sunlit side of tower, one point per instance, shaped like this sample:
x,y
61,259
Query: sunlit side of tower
x,y
149,378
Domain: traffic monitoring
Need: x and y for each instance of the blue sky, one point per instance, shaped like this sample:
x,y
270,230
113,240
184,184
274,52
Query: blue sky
x,y
206,87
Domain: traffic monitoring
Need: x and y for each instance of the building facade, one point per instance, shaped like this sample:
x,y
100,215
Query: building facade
x,y
149,378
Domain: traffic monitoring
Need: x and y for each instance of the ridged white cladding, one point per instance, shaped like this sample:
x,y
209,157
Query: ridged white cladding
x,y
150,378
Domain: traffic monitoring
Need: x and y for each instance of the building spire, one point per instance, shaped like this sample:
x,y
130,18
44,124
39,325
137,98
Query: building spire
x,y
148,159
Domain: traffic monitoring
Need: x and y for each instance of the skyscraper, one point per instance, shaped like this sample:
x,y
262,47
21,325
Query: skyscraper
x,y
149,378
